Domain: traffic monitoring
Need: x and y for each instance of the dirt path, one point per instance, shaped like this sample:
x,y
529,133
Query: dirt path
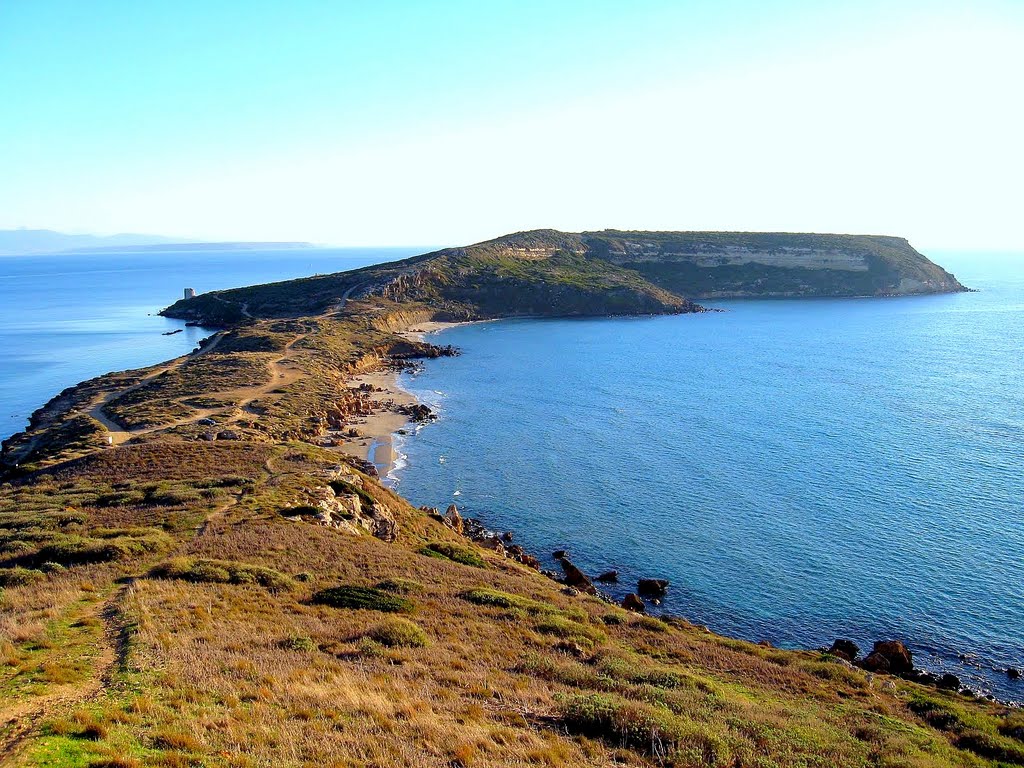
x,y
279,372
20,718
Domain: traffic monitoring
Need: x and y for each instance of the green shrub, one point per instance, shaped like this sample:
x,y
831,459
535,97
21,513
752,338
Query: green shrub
x,y
937,714
222,572
399,633
614,619
19,577
366,598
297,643
618,720
401,586
991,747
651,624
455,553
302,510
486,596
559,626
105,546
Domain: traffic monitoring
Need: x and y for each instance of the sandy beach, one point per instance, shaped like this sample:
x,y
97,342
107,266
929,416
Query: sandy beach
x,y
376,442
377,430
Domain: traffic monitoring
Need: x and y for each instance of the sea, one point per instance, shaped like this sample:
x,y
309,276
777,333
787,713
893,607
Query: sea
x,y
800,470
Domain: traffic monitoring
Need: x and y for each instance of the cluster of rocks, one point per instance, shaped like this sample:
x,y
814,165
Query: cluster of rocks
x,y
339,505
417,412
475,531
574,578
891,657
420,350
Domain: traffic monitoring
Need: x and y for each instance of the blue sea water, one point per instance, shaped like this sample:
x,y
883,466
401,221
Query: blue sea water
x,y
66,318
801,470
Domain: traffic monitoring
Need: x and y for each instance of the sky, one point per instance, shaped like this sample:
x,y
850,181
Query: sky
x,y
452,121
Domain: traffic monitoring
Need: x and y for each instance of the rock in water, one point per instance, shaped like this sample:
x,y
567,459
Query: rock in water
x,y
574,577
609,577
655,587
845,649
632,602
890,656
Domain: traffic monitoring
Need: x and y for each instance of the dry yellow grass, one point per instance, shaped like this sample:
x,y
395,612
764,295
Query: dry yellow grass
x,y
196,663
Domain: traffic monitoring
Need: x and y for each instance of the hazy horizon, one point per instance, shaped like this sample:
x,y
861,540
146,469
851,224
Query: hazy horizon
x,y
448,122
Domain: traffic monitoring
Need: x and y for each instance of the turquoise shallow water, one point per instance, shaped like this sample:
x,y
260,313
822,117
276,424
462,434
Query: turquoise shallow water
x,y
801,470
66,318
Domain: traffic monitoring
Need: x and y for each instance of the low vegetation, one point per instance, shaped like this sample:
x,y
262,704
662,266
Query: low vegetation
x,y
367,598
222,572
158,609
398,633
455,553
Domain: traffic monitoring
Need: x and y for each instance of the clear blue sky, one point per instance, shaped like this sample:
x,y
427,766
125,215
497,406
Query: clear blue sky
x,y
446,122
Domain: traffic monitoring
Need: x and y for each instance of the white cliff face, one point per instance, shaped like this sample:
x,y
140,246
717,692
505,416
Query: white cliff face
x,y
789,257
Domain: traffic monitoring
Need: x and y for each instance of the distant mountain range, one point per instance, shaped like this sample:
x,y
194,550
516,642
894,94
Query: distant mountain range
x,y
17,242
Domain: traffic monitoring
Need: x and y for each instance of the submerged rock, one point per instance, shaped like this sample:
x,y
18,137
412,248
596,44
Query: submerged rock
x,y
608,577
652,586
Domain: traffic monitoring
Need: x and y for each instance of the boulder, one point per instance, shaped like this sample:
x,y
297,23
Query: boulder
x,y
493,543
530,562
385,527
656,587
632,602
845,649
1013,673
558,554
574,577
608,577
890,656
949,682
453,519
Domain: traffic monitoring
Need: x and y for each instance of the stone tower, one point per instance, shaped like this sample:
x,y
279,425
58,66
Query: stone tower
x,y
190,293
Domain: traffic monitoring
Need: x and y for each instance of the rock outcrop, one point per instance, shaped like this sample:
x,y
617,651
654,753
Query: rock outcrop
x,y
632,602
889,656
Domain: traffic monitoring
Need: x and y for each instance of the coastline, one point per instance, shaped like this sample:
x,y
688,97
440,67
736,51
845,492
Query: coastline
x,y
379,429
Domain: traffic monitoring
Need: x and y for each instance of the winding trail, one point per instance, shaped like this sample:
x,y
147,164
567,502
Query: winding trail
x,y
119,434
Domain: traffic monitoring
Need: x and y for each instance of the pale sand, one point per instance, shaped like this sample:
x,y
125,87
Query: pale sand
x,y
376,441
376,430
418,331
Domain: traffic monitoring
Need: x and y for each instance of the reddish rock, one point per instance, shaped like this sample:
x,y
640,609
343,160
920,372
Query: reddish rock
x,y
632,602
890,656
574,577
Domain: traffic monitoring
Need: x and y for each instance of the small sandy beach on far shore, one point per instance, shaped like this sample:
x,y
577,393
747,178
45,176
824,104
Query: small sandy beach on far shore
x,y
376,441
